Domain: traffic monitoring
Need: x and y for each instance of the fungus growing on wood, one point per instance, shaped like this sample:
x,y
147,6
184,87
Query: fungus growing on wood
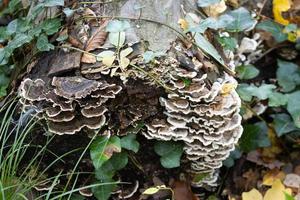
x,y
69,104
202,114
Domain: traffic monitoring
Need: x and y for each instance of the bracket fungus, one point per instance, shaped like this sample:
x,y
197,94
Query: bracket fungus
x,y
69,103
203,114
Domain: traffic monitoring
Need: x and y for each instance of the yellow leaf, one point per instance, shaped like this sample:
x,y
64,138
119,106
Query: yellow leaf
x,y
108,60
227,88
216,9
276,192
271,176
280,6
253,194
151,190
183,24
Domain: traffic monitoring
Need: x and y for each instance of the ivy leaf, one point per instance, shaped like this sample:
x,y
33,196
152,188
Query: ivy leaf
x,y
283,124
103,148
274,28
19,40
108,169
204,44
288,75
253,194
170,153
43,44
103,192
277,99
243,20
247,71
293,106
116,26
51,26
229,162
229,43
254,136
263,91
129,142
117,39
205,3
244,92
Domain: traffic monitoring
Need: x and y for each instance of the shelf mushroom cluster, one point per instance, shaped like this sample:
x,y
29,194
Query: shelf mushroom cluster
x,y
69,103
202,115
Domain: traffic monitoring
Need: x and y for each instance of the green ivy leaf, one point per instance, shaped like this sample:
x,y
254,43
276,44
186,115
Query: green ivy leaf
x,y
247,71
263,91
205,3
103,148
103,192
277,99
274,28
254,136
204,44
51,26
288,75
117,162
19,40
242,20
43,44
244,92
170,153
293,106
229,162
129,142
229,43
283,124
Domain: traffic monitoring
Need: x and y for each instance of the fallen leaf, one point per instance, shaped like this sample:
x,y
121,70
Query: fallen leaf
x,y
272,175
280,6
182,191
184,25
97,39
88,58
276,192
292,180
108,60
253,194
216,9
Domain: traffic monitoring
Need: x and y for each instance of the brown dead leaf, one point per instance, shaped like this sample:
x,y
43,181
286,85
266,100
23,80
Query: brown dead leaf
x,y
88,58
182,191
75,42
95,41
251,178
